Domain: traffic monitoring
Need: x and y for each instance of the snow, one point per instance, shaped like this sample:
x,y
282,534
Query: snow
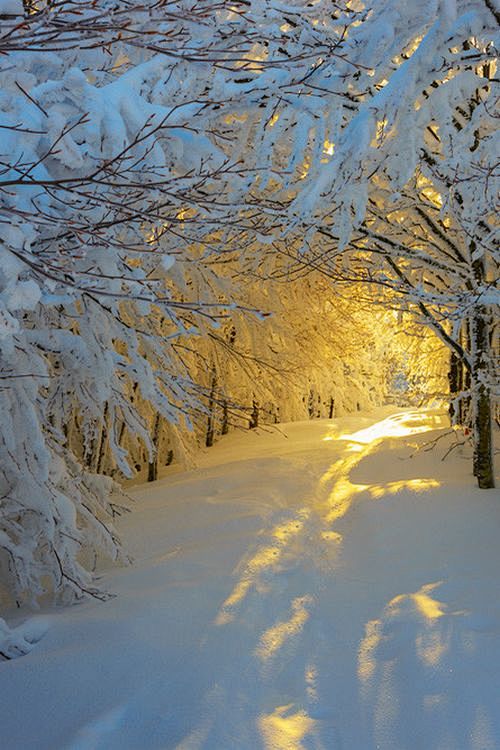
x,y
11,7
319,585
15,642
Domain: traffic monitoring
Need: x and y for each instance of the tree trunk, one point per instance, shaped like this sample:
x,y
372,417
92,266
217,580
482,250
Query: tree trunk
x,y
225,419
311,404
331,410
153,464
454,378
103,444
481,397
481,402
93,456
254,417
209,440
465,378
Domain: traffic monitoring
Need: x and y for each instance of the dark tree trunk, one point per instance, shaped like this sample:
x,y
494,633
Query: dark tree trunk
x,y
209,440
331,410
103,442
93,455
465,378
153,464
481,402
454,379
311,404
254,417
225,419
481,397
153,470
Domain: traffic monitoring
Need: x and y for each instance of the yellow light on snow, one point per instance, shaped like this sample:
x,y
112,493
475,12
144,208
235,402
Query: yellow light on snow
x,y
430,608
381,128
306,165
265,558
406,424
430,644
186,213
336,487
328,147
429,191
232,118
286,728
272,640
274,119
391,488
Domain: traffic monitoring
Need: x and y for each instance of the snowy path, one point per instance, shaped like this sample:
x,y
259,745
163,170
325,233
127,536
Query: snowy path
x,y
314,588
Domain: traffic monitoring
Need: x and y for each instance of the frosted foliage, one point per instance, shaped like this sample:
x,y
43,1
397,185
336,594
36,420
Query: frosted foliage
x,y
398,73
402,97
101,151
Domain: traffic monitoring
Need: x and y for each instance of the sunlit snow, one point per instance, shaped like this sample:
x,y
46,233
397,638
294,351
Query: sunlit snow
x,y
288,594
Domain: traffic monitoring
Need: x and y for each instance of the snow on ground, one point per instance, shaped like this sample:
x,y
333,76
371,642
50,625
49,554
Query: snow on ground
x,y
310,587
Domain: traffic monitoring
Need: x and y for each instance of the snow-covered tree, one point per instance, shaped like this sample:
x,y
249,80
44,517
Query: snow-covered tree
x,y
104,118
381,151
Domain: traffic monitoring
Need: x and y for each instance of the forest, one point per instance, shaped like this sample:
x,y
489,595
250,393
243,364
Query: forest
x,y
218,219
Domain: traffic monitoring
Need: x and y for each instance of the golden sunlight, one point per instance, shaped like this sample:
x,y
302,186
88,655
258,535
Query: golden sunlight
x,y
378,491
328,147
430,608
274,637
342,491
410,423
430,643
267,556
284,730
367,663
